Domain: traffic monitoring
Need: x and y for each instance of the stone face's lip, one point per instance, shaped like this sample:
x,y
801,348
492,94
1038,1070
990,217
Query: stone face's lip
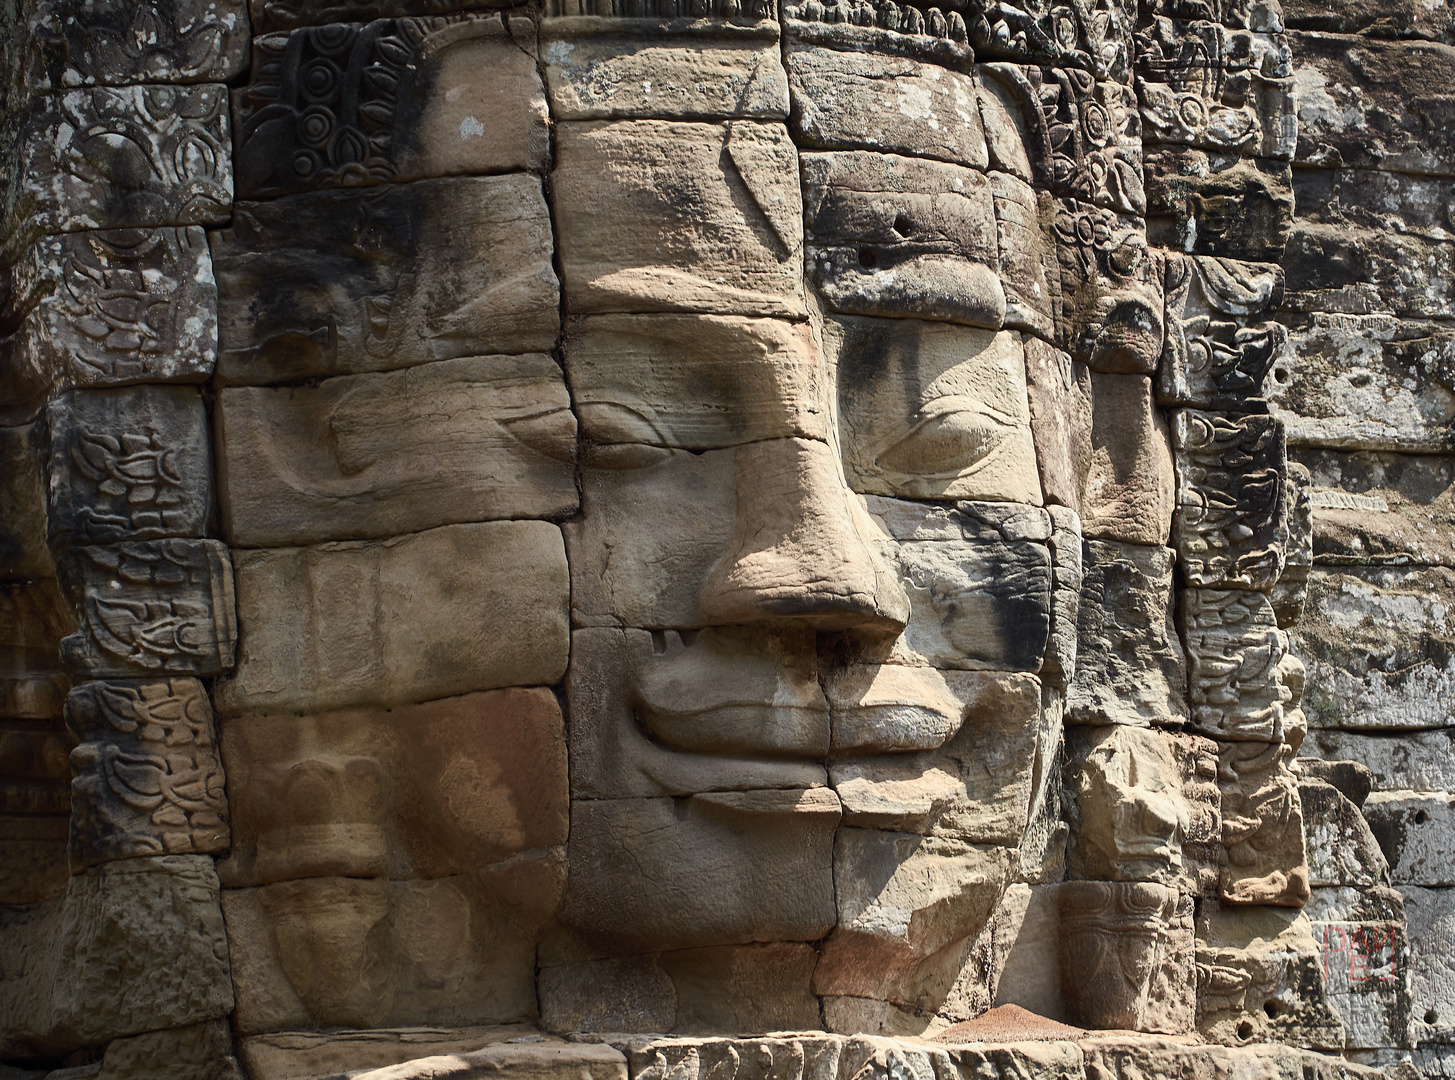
x,y
744,729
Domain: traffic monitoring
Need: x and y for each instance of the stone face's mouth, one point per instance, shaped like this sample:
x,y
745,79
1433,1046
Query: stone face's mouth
x,y
742,729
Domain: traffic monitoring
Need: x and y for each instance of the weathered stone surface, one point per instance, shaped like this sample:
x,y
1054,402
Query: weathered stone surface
x,y
195,1052
1260,979
1355,903
679,70
363,456
864,101
587,1061
148,778
1436,1061
1367,974
1262,826
417,791
1126,808
1366,382
1111,289
1341,848
124,157
61,44
150,606
119,925
1376,645
697,382
1356,16
1218,352
1431,928
444,612
1414,832
1214,204
1351,779
767,531
1343,267
431,271
1120,1057
1129,492
23,551
333,951
1130,666
1243,683
978,578
714,869
709,990
976,787
933,411
128,464
1412,760
1060,394
35,781
1031,977
902,899
1088,141
978,981
1029,271
1290,592
1373,104
1059,666
1377,506
391,100
107,306
899,236
654,215
293,1055
1231,523
33,621
1126,953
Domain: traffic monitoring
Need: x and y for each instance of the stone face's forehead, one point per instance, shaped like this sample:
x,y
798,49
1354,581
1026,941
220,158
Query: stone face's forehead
x,y
708,517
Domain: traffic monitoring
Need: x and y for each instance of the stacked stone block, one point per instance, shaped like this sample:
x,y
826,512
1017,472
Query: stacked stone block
x,y
120,601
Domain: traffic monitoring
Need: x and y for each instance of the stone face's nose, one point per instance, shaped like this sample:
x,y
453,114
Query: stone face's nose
x,y
801,547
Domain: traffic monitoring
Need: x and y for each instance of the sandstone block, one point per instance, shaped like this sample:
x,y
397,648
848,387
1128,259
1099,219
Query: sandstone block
x,y
108,306
697,382
390,100
1378,506
23,551
1129,492
598,70
1356,382
148,777
1218,352
57,44
1375,104
1431,928
1341,848
1367,969
1111,289
1059,666
588,1061
649,217
150,606
294,1055
1290,592
1060,396
1120,1057
1240,208
764,532
714,869
1126,807
449,611
367,953
978,980
677,712
1029,271
1260,979
35,805
975,787
978,577
1243,683
901,899
128,464
816,1054
308,289
710,990
1262,826
900,236
116,157
1126,953
1355,903
1374,642
933,411
1130,666
417,791
33,621
1412,760
1414,832
363,456
1031,976
195,1052
1338,266
869,101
